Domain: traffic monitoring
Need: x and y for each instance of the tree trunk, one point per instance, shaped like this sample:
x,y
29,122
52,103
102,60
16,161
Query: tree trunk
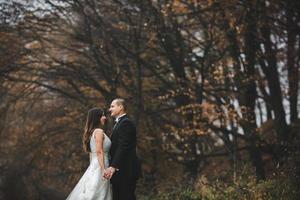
x,y
293,74
249,95
251,45
272,76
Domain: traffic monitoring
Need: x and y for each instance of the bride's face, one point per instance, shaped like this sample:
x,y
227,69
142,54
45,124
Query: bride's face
x,y
103,119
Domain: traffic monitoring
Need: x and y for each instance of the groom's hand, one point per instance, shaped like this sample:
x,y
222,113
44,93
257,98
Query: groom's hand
x,y
108,173
111,171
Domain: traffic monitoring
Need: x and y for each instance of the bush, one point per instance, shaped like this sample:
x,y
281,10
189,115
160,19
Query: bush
x,y
245,189
186,194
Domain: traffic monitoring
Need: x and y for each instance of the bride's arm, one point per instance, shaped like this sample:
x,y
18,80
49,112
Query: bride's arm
x,y
99,136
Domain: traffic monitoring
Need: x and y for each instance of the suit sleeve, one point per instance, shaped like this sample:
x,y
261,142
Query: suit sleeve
x,y
125,143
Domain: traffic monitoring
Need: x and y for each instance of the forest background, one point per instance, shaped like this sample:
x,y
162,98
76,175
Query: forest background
x,y
212,85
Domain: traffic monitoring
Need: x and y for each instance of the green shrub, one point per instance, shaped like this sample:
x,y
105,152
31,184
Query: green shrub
x,y
186,194
243,189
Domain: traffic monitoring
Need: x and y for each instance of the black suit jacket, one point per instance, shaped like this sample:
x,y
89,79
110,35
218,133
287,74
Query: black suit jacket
x,y
123,151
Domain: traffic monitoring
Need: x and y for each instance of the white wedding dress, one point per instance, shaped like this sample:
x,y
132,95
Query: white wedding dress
x,y
92,186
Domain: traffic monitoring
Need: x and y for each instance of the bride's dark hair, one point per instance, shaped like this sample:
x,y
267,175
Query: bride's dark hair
x,y
92,122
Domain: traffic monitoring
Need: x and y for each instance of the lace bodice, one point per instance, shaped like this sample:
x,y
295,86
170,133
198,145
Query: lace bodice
x,y
106,144
106,148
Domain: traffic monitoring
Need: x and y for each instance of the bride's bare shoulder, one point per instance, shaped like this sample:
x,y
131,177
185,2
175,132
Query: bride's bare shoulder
x,y
98,131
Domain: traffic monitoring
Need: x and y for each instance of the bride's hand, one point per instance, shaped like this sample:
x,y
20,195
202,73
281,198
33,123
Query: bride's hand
x,y
108,172
105,174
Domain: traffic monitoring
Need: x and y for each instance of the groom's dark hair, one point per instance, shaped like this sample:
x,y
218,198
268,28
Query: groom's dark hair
x,y
122,102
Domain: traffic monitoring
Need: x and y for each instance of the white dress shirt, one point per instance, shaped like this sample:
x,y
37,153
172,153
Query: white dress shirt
x,y
118,118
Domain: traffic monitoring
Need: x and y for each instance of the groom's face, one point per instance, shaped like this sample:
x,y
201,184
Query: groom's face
x,y
115,109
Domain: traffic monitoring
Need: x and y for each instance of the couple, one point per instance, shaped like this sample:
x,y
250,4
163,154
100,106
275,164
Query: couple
x,y
114,167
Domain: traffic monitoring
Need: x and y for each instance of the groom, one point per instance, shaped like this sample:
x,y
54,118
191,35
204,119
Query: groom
x,y
124,169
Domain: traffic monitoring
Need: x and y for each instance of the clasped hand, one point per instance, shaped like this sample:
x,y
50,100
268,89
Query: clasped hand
x,y
108,173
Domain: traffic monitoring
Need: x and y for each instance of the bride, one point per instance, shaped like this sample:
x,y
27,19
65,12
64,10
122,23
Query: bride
x,y
92,185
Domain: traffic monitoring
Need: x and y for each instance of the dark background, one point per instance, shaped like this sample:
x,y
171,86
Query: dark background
x,y
212,85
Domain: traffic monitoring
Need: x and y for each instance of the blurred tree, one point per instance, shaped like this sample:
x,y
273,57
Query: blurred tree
x,y
203,79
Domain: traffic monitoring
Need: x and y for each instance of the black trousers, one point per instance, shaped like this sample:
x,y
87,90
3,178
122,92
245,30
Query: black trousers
x,y
124,190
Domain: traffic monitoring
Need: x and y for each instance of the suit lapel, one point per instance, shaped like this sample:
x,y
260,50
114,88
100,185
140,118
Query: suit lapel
x,y
116,126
